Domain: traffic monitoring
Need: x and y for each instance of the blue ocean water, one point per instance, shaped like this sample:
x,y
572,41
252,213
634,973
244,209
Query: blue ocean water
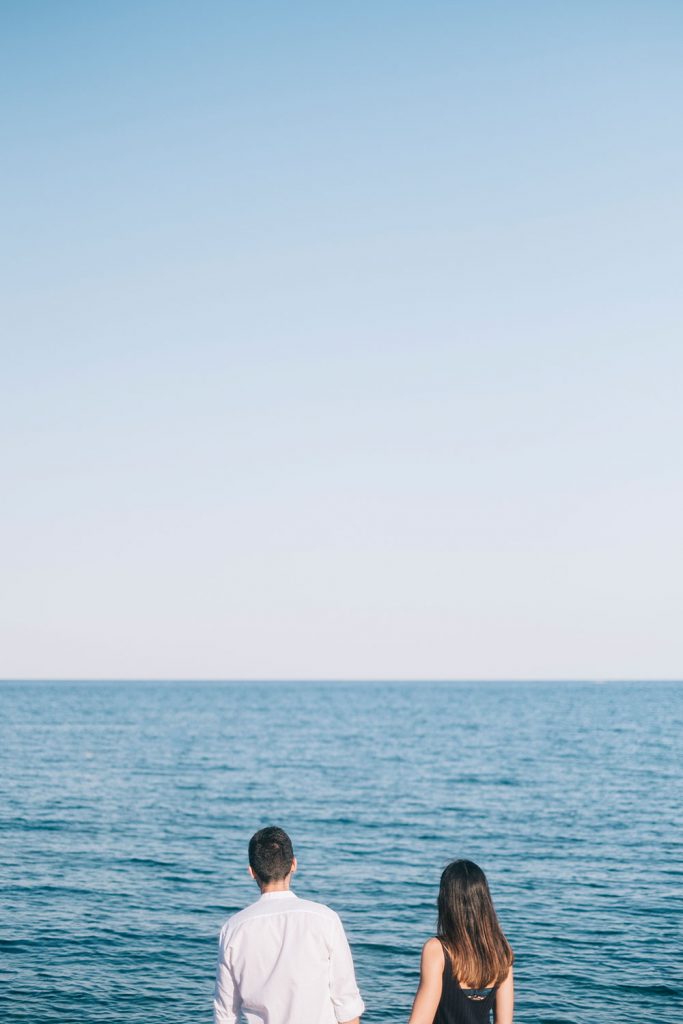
x,y
125,810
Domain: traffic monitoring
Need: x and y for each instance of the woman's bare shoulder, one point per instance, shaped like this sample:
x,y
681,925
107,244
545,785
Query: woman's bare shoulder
x,y
432,951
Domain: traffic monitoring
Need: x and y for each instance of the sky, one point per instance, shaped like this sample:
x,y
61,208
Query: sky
x,y
341,340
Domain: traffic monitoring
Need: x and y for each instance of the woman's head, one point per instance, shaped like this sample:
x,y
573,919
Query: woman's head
x,y
469,928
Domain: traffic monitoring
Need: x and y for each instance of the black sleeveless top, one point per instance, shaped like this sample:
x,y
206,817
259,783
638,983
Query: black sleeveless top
x,y
463,1006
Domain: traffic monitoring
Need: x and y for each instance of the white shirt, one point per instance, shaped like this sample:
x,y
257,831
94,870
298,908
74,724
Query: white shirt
x,y
285,961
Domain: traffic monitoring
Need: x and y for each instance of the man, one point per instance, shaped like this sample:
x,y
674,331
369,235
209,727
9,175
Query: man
x,y
283,960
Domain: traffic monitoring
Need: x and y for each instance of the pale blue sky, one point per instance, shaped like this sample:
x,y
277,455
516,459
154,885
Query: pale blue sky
x,y
341,340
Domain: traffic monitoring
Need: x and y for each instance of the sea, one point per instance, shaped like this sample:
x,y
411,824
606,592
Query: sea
x,y
126,809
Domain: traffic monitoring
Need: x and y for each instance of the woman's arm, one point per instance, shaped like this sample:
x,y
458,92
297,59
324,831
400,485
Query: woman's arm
x,y
429,989
505,1000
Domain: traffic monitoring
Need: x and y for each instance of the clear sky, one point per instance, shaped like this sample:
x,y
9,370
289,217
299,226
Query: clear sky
x,y
341,339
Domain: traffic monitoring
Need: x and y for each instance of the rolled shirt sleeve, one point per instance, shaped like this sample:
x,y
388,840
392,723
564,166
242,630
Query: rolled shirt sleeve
x,y
226,997
344,993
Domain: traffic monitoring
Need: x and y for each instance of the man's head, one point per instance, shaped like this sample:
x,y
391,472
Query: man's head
x,y
271,857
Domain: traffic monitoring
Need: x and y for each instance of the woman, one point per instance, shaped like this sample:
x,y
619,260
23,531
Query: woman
x,y
466,971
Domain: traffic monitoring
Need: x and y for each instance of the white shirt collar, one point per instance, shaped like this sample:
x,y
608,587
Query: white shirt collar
x,y
278,894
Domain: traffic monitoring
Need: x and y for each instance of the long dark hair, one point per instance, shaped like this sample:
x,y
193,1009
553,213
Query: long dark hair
x,y
469,929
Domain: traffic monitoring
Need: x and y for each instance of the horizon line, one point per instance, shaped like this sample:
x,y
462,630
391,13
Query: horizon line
x,y
336,680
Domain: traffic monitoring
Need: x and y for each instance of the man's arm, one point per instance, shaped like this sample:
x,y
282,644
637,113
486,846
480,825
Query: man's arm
x,y
344,993
226,997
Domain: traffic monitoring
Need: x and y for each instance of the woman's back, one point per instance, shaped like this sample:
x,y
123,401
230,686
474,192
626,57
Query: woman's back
x,y
459,1005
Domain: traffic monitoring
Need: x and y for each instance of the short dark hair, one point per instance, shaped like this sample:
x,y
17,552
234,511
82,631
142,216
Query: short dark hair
x,y
270,854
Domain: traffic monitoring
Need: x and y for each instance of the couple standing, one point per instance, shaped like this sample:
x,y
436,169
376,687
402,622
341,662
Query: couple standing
x,y
283,960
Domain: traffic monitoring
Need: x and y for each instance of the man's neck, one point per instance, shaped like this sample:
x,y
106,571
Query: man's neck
x,y
281,886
